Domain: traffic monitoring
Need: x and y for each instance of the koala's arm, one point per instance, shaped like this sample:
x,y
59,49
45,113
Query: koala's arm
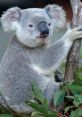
x,y
54,54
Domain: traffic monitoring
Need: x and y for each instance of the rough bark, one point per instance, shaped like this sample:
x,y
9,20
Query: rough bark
x,y
73,56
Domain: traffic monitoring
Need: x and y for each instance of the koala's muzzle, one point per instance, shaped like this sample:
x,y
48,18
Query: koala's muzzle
x,y
44,30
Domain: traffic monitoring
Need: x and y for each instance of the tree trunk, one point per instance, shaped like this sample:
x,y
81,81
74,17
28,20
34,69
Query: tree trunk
x,y
73,56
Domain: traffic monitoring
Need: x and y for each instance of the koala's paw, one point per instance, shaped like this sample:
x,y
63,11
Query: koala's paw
x,y
74,34
59,77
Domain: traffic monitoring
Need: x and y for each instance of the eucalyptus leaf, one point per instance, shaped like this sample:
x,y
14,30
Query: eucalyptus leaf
x,y
70,97
75,88
81,52
37,92
42,109
78,76
68,108
5,115
38,107
59,97
73,114
76,113
77,100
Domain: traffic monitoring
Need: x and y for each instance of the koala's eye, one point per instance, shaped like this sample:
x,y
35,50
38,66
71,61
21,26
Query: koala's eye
x,y
49,24
30,25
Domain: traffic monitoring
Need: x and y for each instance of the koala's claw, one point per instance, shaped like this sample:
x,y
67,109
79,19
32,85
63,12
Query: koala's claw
x,y
78,32
59,77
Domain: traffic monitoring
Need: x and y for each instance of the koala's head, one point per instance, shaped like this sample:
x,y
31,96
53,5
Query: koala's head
x,y
33,26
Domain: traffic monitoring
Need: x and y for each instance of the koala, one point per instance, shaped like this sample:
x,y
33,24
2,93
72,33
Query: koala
x,y
31,56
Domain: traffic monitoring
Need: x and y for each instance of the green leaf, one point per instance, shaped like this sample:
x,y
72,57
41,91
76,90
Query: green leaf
x,y
38,107
80,68
78,100
76,113
81,52
37,93
5,115
68,108
42,109
70,97
59,97
78,76
75,88
76,103
79,111
45,103
73,114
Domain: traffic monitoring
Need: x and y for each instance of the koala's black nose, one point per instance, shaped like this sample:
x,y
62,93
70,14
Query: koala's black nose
x,y
44,30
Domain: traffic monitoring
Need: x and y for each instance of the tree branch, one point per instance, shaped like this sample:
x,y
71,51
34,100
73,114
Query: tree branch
x,y
73,56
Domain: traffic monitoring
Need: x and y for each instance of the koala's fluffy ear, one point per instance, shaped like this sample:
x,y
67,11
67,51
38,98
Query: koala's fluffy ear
x,y
57,14
10,18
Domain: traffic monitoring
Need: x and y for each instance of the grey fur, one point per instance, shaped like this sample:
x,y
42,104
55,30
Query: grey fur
x,y
27,60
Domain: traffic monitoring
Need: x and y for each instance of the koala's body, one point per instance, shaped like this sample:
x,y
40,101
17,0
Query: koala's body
x,y
31,57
